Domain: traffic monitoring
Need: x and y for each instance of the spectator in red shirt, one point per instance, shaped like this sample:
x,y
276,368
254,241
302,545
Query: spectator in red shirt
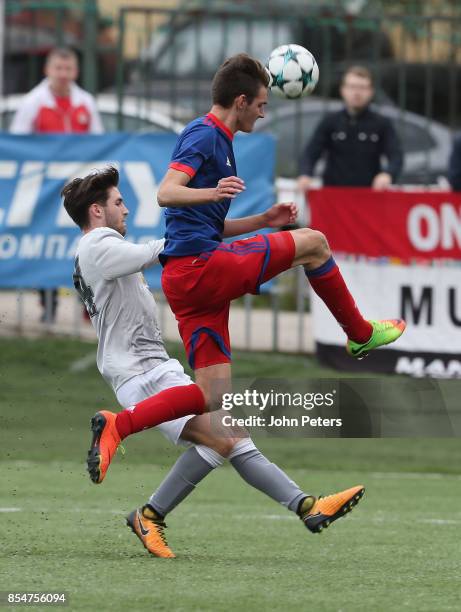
x,y
57,105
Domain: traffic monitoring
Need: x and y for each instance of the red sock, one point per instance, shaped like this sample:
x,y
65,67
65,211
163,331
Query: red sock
x,y
165,406
329,285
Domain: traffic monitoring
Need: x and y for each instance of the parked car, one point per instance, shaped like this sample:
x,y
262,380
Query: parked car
x,y
182,54
426,143
182,57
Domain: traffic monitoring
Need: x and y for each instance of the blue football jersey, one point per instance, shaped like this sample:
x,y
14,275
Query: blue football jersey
x,y
204,152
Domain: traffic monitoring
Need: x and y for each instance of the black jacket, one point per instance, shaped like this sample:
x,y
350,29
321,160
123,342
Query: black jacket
x,y
454,167
353,146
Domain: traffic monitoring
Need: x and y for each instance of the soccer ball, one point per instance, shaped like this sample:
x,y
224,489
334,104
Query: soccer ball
x,y
293,71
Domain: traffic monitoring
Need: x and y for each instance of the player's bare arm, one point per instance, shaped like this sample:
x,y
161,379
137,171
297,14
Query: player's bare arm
x,y
276,216
174,190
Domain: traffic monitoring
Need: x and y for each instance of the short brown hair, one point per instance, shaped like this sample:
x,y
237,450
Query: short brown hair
x,y
240,74
81,193
360,71
62,52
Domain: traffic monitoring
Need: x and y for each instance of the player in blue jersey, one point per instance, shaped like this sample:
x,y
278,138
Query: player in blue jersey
x,y
202,274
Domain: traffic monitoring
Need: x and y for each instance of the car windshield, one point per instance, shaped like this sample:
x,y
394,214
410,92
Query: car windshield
x,y
206,43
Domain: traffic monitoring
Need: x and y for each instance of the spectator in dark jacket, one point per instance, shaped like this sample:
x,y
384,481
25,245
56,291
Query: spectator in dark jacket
x,y
454,166
354,140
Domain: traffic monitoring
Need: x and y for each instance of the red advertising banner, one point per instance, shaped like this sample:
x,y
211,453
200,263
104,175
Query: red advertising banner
x,y
397,224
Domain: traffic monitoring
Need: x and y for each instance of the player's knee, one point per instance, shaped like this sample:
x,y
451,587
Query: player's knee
x,y
223,439
226,445
213,401
319,244
323,244
213,387
222,446
312,243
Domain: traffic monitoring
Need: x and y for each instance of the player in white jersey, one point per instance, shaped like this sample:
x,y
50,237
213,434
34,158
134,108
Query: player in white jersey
x,y
119,301
150,386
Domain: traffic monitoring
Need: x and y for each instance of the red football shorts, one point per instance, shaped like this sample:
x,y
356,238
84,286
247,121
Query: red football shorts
x,y
199,289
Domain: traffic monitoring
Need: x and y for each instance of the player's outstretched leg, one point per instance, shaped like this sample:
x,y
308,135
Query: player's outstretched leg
x,y
149,527
384,332
104,444
109,429
318,514
313,253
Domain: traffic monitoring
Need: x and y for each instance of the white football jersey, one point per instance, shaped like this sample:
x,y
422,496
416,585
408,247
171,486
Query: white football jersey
x,y
122,309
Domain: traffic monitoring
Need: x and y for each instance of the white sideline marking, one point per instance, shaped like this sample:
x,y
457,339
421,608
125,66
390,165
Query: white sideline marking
x,y
376,519
88,511
279,517
404,475
24,463
82,364
440,521
270,517
429,521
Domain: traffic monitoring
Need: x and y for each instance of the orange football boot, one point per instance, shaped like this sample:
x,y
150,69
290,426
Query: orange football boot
x,y
104,444
150,530
325,510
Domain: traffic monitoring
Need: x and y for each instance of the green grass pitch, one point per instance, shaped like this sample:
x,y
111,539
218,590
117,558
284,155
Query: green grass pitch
x,y
398,550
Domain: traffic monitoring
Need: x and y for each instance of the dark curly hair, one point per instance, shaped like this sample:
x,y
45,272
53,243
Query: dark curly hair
x,y
81,193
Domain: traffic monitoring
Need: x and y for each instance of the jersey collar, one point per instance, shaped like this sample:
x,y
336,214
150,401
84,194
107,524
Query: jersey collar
x,y
219,124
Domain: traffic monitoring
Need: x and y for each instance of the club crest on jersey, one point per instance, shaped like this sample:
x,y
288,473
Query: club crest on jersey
x,y
82,118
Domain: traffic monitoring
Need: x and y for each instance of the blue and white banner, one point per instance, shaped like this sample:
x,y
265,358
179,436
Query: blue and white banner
x,y
37,237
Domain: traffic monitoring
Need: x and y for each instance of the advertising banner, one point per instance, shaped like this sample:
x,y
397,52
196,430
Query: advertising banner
x,y
37,237
400,254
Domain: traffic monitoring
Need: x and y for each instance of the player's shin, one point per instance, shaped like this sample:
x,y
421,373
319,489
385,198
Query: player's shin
x,y
260,473
191,467
329,285
167,405
148,522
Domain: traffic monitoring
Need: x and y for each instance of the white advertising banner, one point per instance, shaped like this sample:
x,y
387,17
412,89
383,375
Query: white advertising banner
x,y
427,297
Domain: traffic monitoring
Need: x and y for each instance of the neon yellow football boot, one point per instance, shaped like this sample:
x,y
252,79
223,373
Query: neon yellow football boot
x,y
384,332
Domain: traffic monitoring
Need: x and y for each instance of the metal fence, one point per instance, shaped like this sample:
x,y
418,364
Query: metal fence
x,y
256,323
33,27
169,56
